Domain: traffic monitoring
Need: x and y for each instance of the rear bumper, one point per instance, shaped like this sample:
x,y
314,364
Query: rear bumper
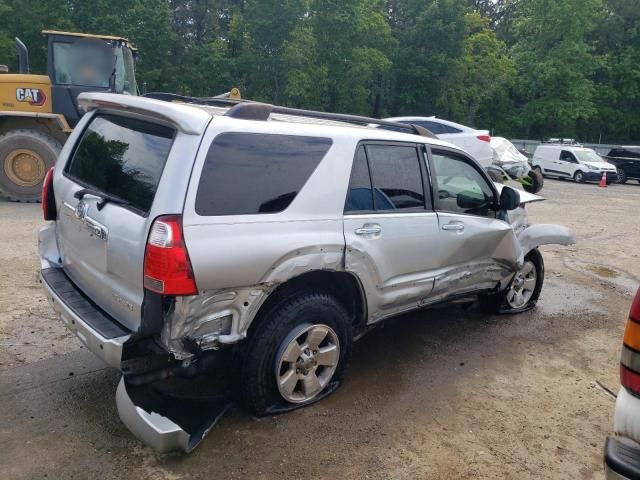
x,y
153,429
621,459
101,334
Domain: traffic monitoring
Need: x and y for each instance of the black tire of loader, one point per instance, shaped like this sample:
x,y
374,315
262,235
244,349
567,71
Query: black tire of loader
x,y
42,144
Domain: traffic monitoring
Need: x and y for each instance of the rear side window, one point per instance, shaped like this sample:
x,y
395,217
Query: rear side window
x,y
386,178
251,173
123,157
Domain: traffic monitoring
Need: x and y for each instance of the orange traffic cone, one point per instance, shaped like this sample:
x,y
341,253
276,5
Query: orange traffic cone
x,y
603,180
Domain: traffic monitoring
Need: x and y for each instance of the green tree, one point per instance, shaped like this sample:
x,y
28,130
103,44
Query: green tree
x,y
354,44
483,73
617,78
430,37
554,90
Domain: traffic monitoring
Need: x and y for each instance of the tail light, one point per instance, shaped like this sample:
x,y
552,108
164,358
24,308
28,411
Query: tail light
x,y
48,198
484,138
167,268
630,361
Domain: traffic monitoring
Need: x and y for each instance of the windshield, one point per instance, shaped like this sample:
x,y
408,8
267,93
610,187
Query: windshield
x,y
90,62
588,156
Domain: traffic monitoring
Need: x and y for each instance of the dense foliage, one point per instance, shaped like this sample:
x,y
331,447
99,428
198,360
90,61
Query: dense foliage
x,y
522,68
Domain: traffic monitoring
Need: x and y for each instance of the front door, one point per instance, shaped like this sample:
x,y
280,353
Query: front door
x,y
567,163
475,249
390,227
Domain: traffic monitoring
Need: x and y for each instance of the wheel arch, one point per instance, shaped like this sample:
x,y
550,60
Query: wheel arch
x,y
344,286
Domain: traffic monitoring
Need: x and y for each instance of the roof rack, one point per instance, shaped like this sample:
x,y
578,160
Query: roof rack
x,y
563,141
250,110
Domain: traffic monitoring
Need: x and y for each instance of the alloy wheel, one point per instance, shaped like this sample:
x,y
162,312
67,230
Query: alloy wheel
x,y
522,286
306,361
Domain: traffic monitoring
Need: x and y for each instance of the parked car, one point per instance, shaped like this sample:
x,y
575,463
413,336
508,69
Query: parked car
x,y
181,235
510,163
627,162
475,142
572,161
622,452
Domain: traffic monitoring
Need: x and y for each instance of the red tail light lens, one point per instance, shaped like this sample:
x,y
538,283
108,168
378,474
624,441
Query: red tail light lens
x,y
629,380
631,348
484,138
48,198
167,268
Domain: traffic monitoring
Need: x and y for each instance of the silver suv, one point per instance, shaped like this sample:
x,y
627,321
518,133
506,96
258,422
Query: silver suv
x,y
261,241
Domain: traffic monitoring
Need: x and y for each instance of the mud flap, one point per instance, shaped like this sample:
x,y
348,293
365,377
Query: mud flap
x,y
171,415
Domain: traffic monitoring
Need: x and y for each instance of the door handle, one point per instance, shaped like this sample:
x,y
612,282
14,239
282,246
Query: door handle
x,y
453,227
369,229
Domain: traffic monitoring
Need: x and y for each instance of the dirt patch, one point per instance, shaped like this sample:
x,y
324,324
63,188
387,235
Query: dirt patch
x,y
603,271
442,393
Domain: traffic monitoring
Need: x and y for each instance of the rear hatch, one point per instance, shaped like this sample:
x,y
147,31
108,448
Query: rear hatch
x,y
105,196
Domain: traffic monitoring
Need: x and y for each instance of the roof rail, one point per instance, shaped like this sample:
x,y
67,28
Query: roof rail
x,y
249,110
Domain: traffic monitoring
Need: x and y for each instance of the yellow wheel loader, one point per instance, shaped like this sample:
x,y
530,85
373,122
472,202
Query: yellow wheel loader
x,y
37,112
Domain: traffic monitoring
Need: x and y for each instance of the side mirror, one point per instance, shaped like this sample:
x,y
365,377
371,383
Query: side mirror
x,y
509,198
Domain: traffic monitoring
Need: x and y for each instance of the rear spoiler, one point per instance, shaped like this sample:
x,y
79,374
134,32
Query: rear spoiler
x,y
189,120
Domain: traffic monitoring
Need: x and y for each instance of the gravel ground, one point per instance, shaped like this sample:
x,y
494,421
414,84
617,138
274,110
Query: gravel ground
x,y
442,393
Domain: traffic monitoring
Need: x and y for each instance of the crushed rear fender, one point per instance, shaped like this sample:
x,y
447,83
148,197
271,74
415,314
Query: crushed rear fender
x,y
544,234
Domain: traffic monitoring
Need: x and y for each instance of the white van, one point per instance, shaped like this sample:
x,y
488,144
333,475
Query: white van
x,y
571,161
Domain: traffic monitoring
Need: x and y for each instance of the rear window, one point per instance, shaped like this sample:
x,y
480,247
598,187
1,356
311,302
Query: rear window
x,y
251,173
123,157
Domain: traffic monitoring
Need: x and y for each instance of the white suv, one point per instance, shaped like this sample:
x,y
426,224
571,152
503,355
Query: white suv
x,y
475,142
570,161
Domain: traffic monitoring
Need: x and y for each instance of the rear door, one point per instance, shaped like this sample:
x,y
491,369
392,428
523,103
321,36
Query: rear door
x,y
390,227
102,243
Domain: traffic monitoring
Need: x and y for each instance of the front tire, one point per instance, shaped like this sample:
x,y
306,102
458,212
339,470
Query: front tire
x,y
25,158
578,177
298,350
524,290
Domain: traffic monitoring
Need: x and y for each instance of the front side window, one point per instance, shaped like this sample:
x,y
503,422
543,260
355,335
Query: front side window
x,y
123,157
567,156
252,173
386,178
461,188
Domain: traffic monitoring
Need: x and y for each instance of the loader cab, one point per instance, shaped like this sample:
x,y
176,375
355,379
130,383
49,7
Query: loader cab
x,y
79,63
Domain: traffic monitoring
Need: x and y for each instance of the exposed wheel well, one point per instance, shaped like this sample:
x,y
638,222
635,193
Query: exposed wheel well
x,y
345,287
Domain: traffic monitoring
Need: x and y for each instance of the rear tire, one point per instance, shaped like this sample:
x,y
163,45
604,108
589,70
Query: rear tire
x,y
25,157
268,358
622,176
526,292
578,177
537,181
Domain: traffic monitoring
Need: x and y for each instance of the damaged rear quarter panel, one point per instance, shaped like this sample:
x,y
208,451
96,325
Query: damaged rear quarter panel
x,y
238,260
